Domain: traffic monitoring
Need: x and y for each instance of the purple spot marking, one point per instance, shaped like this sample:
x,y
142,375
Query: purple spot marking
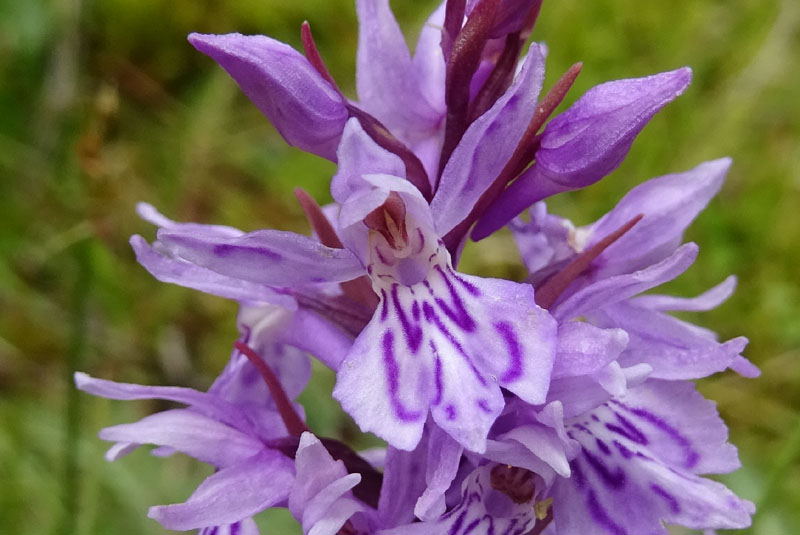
x,y
672,502
602,446
628,430
459,316
614,480
514,370
384,305
457,524
421,240
437,373
228,249
393,374
577,473
595,418
484,406
468,286
692,457
382,258
235,528
601,516
415,312
471,526
413,333
432,317
511,526
623,450
451,412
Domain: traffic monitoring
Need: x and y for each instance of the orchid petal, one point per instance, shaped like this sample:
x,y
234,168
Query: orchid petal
x,y
446,344
669,204
487,145
614,289
231,494
208,404
444,455
300,103
708,300
673,348
385,77
191,433
639,462
245,526
189,275
402,484
584,348
265,256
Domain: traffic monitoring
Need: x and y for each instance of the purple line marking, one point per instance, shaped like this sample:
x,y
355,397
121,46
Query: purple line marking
x,y
672,502
691,456
600,515
393,374
413,333
514,370
613,479
432,317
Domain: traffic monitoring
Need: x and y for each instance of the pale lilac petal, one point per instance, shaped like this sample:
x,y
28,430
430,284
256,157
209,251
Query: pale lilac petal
x,y
231,494
191,433
584,348
545,243
189,275
639,463
359,155
447,344
673,348
402,485
308,112
265,256
614,289
584,392
329,344
669,204
444,455
487,145
120,450
586,142
149,213
208,404
385,77
320,498
708,300
429,63
545,443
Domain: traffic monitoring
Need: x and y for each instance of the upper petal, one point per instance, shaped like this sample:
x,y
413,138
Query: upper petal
x,y
386,79
265,256
305,109
487,145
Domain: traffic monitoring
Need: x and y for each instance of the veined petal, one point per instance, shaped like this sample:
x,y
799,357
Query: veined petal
x,y
708,300
429,62
402,484
487,145
265,256
673,348
191,433
189,275
446,344
587,141
614,289
303,107
208,404
669,204
444,456
149,213
320,499
231,494
585,349
385,77
638,465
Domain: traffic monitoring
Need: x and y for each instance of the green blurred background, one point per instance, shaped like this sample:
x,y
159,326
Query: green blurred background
x,y
104,103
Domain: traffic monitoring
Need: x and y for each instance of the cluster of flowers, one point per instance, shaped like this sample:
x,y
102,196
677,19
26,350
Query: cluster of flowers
x,y
559,405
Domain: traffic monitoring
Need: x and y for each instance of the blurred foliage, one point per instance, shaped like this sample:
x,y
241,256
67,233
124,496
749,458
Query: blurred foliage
x,y
103,104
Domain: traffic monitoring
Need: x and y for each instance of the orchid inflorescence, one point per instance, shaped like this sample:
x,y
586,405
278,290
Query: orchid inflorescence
x,y
561,404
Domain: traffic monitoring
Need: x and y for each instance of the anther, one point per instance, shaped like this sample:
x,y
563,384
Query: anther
x,y
515,482
294,425
389,220
547,294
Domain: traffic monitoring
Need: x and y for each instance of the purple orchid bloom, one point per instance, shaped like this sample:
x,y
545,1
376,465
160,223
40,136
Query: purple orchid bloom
x,y
425,348
644,257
